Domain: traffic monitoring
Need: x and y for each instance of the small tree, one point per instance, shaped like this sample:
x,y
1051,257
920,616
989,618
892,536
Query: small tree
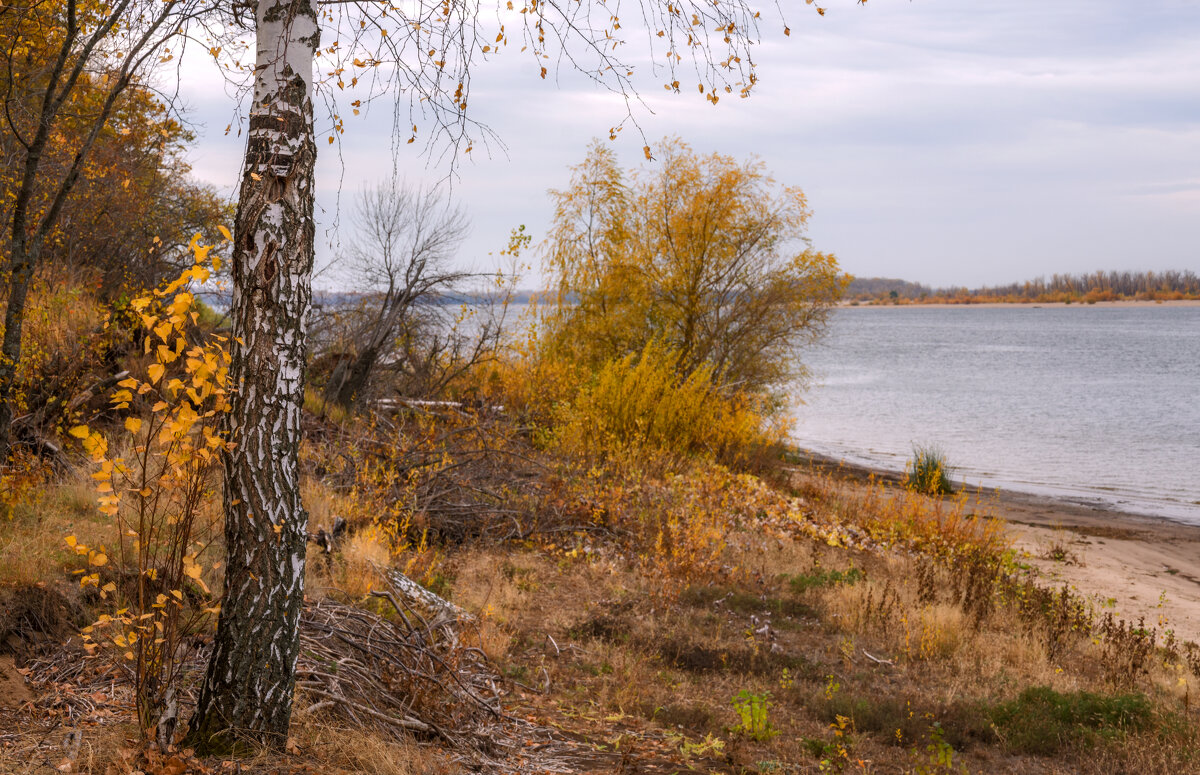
x,y
705,254
66,69
400,260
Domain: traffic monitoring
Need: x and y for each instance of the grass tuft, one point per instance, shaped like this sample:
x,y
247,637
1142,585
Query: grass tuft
x,y
928,471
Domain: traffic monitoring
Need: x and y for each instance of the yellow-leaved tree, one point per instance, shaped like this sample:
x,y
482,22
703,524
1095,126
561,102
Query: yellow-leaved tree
x,y
705,255
154,482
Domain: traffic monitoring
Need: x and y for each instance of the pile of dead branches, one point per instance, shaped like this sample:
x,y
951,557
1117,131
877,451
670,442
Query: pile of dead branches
x,y
401,673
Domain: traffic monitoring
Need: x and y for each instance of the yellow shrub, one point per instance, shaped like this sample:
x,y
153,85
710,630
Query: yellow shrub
x,y
364,553
641,402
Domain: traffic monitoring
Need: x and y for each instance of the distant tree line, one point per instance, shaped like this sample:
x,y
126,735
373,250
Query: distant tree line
x,y
864,288
1089,287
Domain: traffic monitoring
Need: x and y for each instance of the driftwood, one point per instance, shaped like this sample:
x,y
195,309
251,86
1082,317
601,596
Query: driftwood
x,y
877,660
396,404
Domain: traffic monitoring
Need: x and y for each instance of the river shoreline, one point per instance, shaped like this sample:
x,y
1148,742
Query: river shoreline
x,y
1139,566
1122,304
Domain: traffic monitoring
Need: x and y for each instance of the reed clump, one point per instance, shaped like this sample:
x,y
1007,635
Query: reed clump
x,y
929,471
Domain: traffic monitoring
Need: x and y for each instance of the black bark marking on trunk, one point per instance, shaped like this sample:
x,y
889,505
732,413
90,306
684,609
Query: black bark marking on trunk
x,y
246,698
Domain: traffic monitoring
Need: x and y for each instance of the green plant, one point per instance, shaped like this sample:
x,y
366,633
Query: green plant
x,y
752,710
1043,721
939,754
708,746
818,578
928,471
836,753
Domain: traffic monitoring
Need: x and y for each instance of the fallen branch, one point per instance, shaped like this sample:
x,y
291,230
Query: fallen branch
x,y
877,660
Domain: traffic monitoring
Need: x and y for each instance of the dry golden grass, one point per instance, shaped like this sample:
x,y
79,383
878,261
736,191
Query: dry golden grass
x,y
340,750
618,641
32,549
653,640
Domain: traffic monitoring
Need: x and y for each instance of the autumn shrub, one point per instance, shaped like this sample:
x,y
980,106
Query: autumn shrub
x,y
531,385
156,480
447,473
64,344
642,401
905,517
704,253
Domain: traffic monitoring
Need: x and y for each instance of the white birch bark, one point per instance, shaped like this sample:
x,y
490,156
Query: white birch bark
x,y
248,688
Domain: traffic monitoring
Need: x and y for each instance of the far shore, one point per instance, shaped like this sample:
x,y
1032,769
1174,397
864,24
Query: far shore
x,y
1026,304
1138,566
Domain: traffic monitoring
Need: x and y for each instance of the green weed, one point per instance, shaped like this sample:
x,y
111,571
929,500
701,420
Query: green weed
x,y
752,710
929,472
819,579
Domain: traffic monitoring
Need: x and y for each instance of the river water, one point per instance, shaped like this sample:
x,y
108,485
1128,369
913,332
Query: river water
x,y
1095,404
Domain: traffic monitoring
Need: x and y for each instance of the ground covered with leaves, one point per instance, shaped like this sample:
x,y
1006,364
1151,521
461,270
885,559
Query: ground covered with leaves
x,y
678,617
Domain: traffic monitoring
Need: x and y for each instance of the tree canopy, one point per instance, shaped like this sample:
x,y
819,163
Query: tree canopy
x,y
707,254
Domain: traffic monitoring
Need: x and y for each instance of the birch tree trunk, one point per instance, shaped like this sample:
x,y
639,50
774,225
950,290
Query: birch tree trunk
x,y
247,692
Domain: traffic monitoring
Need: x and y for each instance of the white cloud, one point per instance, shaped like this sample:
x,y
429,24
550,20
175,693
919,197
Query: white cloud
x,y
941,141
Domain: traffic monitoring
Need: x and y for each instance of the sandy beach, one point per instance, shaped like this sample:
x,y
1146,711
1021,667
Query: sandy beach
x,y
1137,566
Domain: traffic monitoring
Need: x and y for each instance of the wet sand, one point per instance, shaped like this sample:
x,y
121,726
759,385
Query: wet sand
x,y
1139,566
1027,304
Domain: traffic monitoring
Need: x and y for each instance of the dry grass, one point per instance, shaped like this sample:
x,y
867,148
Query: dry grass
x,y
342,750
894,612
31,539
895,641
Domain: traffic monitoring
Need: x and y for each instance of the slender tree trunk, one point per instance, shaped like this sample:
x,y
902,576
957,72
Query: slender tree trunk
x,y
21,272
248,688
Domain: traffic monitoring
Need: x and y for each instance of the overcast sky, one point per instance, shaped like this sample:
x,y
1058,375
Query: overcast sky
x,y
951,142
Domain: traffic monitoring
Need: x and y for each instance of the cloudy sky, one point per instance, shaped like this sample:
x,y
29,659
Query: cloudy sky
x,y
951,142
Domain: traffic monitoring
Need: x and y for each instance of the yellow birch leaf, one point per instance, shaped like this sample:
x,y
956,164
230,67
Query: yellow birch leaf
x,y
79,431
133,424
